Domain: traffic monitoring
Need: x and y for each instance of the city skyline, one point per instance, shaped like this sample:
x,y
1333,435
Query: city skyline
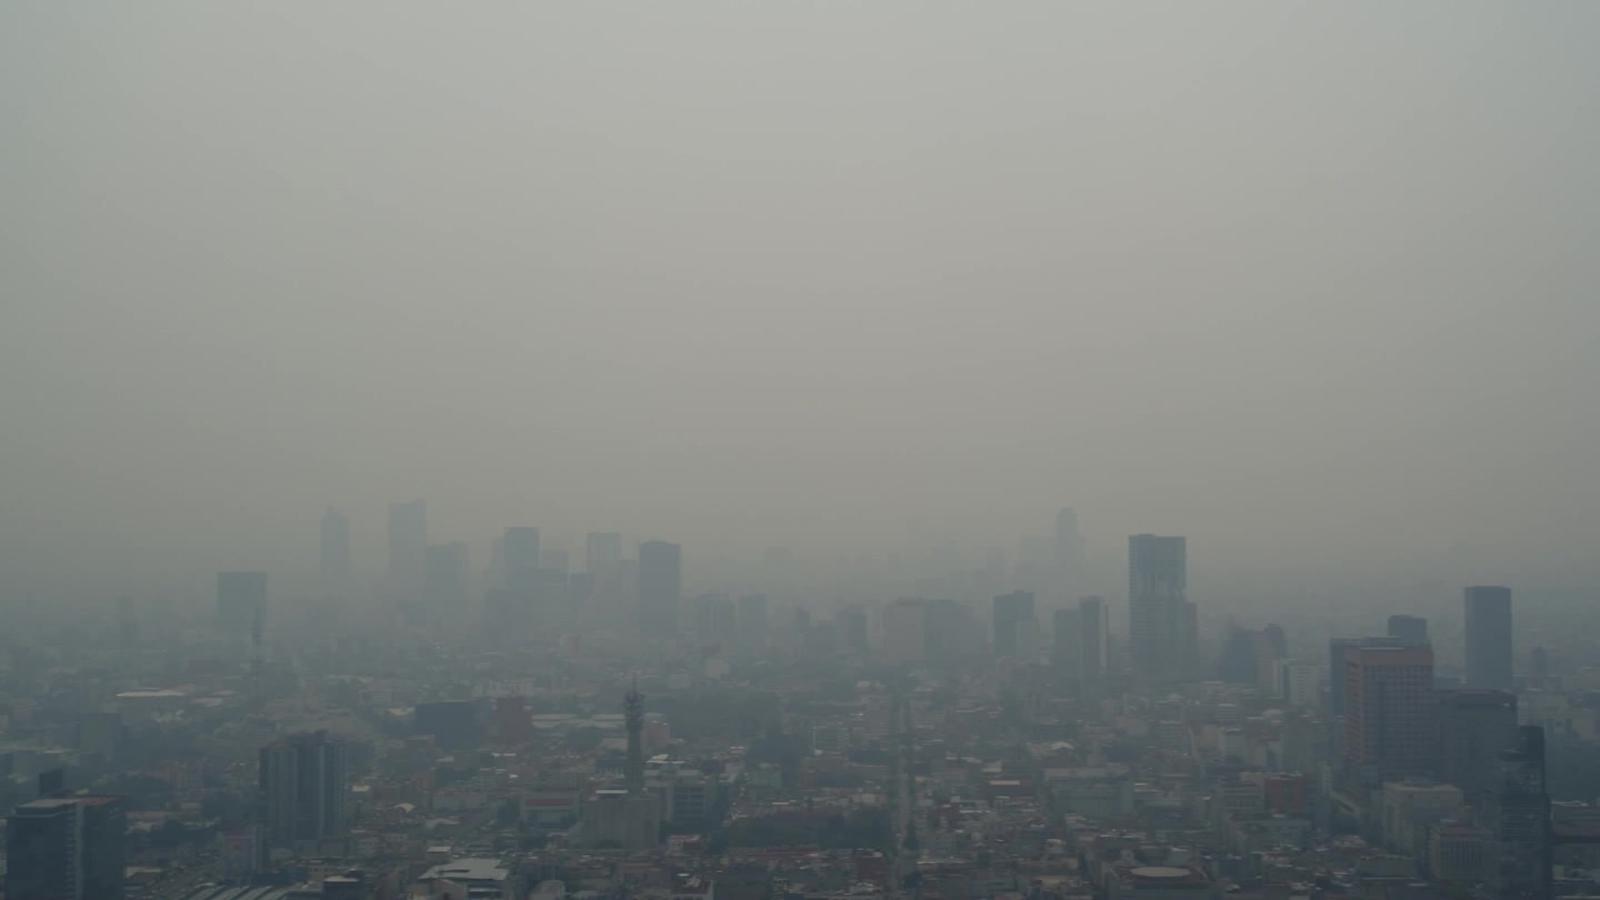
x,y
800,451
1263,306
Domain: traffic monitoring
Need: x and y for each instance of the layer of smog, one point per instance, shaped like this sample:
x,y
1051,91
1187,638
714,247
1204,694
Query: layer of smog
x,y
799,451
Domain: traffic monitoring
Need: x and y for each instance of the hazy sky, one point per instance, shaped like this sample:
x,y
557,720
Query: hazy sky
x,y
1310,282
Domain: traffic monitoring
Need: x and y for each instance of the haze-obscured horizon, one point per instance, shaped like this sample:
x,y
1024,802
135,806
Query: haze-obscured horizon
x,y
1311,284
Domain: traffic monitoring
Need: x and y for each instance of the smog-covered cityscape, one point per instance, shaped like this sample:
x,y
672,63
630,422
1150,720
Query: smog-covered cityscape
x,y
800,451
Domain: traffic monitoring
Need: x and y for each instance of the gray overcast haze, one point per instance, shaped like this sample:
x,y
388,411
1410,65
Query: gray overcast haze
x,y
1312,283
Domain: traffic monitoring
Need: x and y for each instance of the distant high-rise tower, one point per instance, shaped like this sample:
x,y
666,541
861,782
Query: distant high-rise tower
x,y
1069,551
303,780
1161,621
520,556
633,717
335,547
1014,623
1488,617
715,620
1408,629
66,848
608,574
660,587
408,543
242,604
1388,709
1092,624
602,551
1236,664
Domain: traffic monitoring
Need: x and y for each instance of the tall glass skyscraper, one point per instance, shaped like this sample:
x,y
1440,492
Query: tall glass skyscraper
x,y
1161,620
1488,619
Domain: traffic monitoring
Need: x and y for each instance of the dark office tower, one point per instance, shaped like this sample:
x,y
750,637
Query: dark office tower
x,y
1488,616
1519,817
446,573
1475,727
408,543
1388,710
335,547
1014,623
1250,656
66,848
1092,622
1237,663
660,587
242,604
304,779
753,622
520,556
1161,625
1408,629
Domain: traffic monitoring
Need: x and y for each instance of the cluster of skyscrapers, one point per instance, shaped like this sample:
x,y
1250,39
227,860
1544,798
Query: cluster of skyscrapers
x,y
1395,721
525,582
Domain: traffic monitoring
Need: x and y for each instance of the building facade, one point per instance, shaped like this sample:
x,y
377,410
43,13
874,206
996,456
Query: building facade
x,y
1161,620
304,782
1389,707
1488,651
408,543
660,587
1408,629
1014,623
1475,727
66,848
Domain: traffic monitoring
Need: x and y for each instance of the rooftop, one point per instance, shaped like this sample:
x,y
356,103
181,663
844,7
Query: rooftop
x,y
472,868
